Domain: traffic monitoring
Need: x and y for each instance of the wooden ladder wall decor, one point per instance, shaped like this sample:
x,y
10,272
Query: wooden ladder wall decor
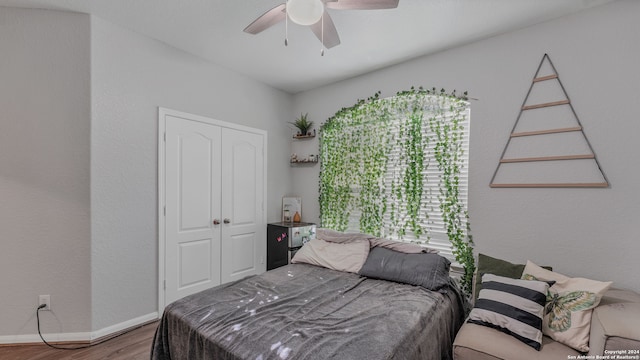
x,y
598,180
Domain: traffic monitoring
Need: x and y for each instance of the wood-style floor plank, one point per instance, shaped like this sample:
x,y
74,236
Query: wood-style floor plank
x,y
134,345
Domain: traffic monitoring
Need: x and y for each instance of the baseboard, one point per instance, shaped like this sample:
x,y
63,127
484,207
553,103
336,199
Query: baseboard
x,y
58,338
119,328
80,337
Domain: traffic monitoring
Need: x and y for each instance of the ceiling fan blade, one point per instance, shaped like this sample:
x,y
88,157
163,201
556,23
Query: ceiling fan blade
x,y
331,37
361,4
267,20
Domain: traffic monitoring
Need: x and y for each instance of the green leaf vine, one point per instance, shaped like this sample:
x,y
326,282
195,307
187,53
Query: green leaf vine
x,y
374,162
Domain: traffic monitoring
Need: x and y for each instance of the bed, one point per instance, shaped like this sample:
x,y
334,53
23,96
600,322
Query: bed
x,y
304,311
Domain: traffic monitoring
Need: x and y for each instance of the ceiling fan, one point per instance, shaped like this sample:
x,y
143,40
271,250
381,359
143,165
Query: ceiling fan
x,y
313,13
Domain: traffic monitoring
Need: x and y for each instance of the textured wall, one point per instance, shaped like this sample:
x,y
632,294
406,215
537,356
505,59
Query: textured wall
x,y
131,76
581,232
63,123
44,170
78,164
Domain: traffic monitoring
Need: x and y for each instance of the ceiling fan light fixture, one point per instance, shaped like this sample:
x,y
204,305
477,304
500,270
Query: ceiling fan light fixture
x,y
305,12
313,13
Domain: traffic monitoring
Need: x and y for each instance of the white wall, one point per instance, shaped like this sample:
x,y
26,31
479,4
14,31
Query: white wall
x,y
78,165
581,232
131,76
78,157
44,170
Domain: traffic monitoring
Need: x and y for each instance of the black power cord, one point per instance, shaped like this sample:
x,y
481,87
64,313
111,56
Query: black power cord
x,y
77,347
54,346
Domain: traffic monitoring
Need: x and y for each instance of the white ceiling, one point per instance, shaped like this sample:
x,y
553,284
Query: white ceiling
x,y
212,29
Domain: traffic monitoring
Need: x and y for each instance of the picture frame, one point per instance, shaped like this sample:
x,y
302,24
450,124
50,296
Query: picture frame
x,y
290,205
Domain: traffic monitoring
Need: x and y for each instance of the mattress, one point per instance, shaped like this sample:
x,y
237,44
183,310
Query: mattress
x,y
302,311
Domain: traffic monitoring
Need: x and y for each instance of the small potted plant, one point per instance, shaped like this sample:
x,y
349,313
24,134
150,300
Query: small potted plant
x,y
303,124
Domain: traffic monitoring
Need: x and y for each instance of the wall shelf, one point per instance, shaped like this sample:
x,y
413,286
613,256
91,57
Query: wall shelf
x,y
542,132
551,78
552,185
301,142
303,163
539,106
549,158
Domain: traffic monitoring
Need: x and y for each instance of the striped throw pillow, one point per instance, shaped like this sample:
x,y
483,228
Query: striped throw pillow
x,y
513,306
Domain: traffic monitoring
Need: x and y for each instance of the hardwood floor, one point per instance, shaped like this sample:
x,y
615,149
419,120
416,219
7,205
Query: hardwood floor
x,y
134,345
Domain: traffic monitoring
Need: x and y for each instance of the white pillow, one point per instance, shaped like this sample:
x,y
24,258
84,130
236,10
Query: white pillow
x,y
570,303
348,257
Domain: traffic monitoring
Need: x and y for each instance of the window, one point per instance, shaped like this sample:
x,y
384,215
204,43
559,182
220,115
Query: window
x,y
398,168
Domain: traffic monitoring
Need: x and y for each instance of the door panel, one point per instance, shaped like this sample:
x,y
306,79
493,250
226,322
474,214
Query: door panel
x,y
192,178
243,238
244,181
195,172
194,263
243,253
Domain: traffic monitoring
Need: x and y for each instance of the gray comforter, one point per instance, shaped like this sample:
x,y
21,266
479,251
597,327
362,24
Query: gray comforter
x,y
303,311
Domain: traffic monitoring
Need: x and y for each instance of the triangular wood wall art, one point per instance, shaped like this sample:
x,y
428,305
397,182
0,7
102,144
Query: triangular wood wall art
x,y
557,153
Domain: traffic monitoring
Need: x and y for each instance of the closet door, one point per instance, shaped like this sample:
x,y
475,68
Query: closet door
x,y
211,191
243,228
192,201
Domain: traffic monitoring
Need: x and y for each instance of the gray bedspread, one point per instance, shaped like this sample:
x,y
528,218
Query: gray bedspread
x,y
302,311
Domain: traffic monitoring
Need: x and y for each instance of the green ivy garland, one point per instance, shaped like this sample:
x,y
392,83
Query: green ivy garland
x,y
355,145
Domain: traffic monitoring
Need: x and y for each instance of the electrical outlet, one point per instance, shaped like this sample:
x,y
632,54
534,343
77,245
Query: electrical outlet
x,y
46,300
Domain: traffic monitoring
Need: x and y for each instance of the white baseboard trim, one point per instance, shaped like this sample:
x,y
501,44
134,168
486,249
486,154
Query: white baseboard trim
x,y
124,325
85,337
53,338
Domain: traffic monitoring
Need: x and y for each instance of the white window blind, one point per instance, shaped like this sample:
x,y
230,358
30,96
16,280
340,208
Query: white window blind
x,y
395,216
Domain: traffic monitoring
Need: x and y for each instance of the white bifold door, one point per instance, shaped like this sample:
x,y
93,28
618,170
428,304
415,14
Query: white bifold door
x,y
212,222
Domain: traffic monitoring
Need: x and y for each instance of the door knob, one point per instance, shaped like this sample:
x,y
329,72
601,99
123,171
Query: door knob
x,y
216,222
226,221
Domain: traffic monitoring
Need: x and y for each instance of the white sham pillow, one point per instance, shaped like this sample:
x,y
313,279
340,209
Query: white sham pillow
x,y
348,257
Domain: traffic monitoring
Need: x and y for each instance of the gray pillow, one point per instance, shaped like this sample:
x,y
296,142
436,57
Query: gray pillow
x,y
431,271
